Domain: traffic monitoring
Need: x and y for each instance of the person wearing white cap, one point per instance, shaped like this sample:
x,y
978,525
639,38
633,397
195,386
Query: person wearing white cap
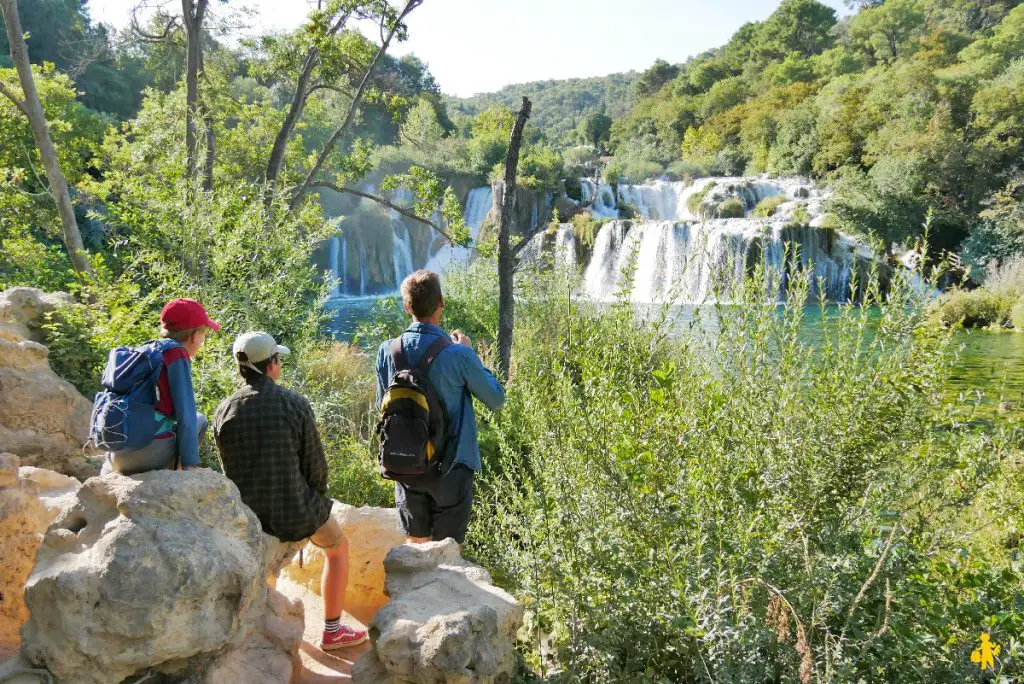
x,y
270,448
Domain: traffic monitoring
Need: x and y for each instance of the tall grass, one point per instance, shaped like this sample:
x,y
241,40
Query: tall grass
x,y
723,500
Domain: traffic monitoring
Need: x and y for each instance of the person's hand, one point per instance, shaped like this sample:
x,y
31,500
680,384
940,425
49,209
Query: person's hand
x,y
459,338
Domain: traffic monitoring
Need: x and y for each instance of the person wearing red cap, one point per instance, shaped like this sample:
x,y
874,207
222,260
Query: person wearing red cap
x,y
183,327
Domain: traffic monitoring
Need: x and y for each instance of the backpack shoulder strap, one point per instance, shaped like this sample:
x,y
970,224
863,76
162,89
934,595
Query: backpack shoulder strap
x,y
398,354
432,351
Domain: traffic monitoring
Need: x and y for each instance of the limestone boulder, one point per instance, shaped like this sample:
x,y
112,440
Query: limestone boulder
x,y
270,655
43,418
371,533
162,570
30,498
445,623
22,522
24,309
56,491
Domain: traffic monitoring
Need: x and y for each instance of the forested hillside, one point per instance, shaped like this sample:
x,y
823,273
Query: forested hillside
x,y
907,107
559,105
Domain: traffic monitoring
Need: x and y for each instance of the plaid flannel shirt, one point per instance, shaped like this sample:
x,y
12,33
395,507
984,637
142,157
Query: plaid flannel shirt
x,y
270,448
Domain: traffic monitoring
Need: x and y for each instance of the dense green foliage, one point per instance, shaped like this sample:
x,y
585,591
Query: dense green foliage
x,y
559,106
906,106
59,32
244,247
738,504
998,303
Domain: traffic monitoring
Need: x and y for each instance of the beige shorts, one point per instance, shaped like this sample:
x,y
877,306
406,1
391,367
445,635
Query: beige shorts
x,y
329,535
280,553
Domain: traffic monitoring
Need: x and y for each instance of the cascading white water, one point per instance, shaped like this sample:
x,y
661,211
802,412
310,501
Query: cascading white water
x,y
401,251
565,247
478,203
676,257
336,269
362,270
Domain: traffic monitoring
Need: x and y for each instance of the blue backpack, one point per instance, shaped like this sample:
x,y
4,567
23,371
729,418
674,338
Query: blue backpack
x,y
124,411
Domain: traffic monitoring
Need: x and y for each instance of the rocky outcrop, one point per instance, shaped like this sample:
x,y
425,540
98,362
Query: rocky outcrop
x,y
162,571
30,498
371,533
23,311
446,622
270,654
43,418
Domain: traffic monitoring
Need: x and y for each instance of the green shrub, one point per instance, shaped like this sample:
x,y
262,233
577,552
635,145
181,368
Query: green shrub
x,y
694,201
801,216
1017,316
767,206
972,308
746,502
731,208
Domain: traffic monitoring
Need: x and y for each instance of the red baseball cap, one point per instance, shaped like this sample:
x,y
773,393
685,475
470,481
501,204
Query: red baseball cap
x,y
185,314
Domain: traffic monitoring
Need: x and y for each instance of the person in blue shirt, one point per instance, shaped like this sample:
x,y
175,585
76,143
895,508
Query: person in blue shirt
x,y
439,507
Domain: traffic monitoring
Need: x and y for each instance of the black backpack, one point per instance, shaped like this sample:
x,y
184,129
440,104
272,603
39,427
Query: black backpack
x,y
413,425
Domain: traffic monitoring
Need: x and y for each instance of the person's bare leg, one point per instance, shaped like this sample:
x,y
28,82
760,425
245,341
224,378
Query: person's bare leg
x,y
334,579
417,540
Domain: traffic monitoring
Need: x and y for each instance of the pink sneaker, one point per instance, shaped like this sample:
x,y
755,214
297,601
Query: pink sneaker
x,y
343,638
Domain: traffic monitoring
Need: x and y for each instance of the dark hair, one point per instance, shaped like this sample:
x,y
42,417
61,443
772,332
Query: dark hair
x,y
421,293
248,373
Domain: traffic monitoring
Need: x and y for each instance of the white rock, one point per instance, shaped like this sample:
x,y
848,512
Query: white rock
x,y
445,621
161,570
270,655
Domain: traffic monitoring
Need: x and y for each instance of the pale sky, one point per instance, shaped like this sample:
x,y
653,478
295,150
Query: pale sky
x,y
475,46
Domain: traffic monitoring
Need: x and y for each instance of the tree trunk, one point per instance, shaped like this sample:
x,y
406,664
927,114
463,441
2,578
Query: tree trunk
x,y
295,109
410,5
33,109
192,13
506,261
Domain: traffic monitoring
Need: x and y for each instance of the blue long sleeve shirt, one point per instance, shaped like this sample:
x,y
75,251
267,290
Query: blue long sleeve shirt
x,y
177,400
457,375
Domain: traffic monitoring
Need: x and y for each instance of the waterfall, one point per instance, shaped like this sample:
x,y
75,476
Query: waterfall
x,y
478,204
401,251
675,257
565,248
343,277
362,269
336,272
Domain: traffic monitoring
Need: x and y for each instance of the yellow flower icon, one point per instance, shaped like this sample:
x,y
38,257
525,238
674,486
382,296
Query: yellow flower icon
x,y
985,655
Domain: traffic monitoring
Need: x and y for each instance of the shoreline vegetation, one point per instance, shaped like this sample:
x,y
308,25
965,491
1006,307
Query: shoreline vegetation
x,y
997,305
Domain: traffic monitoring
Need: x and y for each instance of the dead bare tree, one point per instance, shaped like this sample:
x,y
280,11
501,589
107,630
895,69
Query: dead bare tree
x,y
32,108
506,257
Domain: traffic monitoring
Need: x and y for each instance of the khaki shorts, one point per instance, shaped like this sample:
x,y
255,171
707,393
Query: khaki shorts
x,y
280,553
329,535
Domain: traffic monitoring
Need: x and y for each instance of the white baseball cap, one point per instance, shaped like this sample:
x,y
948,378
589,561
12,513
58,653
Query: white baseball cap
x,y
257,346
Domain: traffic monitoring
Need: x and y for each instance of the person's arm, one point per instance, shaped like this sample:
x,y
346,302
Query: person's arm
x,y
480,381
183,397
382,371
312,462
